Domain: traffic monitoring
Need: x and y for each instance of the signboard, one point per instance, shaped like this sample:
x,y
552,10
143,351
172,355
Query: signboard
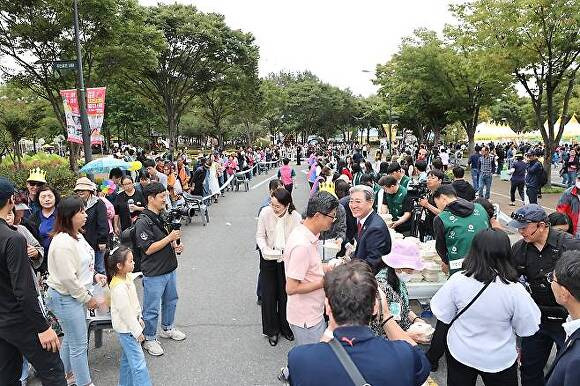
x,y
64,65
95,112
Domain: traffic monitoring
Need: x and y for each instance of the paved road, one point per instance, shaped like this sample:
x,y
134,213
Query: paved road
x,y
217,306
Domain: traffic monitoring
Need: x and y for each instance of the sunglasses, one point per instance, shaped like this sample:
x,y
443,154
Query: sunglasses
x,y
35,183
520,217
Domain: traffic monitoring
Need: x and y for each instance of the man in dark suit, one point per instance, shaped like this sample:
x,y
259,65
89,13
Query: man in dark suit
x,y
565,282
373,239
350,291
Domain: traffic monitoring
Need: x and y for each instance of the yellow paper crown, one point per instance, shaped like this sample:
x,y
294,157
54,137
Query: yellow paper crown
x,y
327,187
37,175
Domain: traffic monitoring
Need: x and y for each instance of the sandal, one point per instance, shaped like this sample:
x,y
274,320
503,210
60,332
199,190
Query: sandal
x,y
273,340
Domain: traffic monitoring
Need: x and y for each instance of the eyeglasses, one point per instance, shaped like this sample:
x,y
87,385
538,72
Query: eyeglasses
x,y
551,279
327,215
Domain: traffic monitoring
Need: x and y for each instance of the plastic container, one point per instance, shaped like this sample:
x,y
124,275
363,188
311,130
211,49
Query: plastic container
x,y
431,272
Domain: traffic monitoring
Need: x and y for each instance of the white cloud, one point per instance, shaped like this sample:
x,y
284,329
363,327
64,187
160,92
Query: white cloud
x,y
335,40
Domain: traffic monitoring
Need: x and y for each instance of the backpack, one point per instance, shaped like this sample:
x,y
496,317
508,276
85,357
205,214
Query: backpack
x,y
129,239
543,177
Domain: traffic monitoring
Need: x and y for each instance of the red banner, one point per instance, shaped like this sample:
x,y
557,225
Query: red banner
x,y
95,112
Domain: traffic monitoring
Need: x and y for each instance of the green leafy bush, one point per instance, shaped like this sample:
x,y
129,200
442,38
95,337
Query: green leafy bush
x,y
59,176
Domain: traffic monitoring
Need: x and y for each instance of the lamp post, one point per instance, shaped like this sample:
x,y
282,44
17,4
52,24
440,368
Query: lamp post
x,y
81,91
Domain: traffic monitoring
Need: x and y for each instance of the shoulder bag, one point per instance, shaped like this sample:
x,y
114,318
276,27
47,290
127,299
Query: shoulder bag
x,y
346,362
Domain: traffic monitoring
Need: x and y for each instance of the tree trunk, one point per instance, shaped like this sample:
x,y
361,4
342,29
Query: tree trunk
x,y
436,136
368,135
72,157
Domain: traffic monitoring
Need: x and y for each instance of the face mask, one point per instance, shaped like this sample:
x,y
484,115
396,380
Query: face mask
x,y
578,184
404,276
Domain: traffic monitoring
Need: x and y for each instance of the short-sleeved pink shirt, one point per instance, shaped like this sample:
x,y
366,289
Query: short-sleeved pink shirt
x,y
303,262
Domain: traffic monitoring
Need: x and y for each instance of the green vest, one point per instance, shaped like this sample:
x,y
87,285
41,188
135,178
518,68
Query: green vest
x,y
459,232
405,181
395,202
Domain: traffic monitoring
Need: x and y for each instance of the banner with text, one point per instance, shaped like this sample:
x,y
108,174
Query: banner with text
x,y
95,112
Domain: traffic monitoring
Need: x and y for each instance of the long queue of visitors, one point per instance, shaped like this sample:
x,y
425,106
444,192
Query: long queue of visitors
x,y
334,277
57,252
340,270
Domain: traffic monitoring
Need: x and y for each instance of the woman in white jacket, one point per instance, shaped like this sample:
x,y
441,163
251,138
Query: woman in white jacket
x,y
126,318
275,224
71,274
482,340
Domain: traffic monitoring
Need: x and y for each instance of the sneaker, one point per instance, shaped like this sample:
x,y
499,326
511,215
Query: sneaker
x,y
153,348
283,375
172,334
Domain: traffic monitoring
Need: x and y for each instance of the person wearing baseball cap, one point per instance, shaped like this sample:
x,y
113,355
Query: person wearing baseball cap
x,y
534,257
23,328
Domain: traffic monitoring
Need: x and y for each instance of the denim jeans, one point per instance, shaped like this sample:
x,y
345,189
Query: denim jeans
x,y
71,315
133,369
485,182
571,179
158,290
475,178
100,262
536,351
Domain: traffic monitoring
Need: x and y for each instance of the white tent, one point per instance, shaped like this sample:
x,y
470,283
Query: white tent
x,y
492,131
572,128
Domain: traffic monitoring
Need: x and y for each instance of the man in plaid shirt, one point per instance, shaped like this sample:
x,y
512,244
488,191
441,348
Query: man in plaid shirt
x,y
486,169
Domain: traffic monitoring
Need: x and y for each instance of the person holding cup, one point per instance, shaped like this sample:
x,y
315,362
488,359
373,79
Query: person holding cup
x,y
71,275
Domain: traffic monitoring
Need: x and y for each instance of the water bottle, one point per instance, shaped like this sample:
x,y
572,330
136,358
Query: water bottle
x,y
129,203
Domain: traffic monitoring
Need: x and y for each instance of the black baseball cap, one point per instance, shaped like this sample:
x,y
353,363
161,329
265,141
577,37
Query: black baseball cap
x,y
527,214
7,188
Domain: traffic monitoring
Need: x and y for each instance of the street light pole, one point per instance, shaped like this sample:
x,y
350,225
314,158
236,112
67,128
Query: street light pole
x,y
81,91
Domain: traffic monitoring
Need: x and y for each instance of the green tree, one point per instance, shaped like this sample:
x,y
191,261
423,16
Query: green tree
x,y
539,41
198,49
34,33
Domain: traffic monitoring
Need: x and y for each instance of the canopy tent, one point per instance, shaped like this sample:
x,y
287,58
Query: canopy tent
x,y
572,128
492,131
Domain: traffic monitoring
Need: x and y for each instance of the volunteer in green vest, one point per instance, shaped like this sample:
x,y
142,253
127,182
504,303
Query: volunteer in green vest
x,y
396,171
455,227
398,202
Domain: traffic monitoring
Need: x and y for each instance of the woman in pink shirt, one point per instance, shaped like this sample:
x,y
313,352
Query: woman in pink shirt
x,y
286,174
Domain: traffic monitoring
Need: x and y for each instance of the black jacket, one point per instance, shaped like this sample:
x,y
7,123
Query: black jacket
x,y
566,367
19,304
464,190
534,265
374,242
97,226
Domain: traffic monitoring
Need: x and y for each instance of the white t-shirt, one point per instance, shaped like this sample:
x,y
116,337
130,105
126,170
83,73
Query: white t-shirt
x,y
444,158
484,336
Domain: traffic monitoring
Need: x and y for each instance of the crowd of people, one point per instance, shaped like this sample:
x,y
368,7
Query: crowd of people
x,y
346,304
499,311
72,251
